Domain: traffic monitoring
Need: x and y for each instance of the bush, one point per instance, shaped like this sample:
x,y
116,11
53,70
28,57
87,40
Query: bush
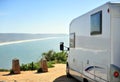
x,y
50,64
29,66
3,70
23,67
52,58
49,55
59,57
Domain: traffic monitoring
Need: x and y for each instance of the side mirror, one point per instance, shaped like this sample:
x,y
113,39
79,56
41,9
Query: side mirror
x,y
61,46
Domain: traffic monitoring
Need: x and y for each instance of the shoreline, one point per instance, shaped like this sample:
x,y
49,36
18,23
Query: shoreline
x,y
21,41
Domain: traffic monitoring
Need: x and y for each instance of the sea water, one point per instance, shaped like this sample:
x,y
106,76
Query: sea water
x,y
28,52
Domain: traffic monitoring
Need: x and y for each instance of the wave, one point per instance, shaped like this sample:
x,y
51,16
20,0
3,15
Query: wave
x,y
21,41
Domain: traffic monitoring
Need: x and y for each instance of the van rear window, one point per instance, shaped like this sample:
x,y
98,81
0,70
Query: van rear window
x,y
96,23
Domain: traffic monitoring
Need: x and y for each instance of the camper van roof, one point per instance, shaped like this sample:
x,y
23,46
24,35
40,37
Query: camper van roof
x,y
114,3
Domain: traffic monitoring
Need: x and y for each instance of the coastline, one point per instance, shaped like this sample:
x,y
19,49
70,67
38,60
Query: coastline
x,y
21,41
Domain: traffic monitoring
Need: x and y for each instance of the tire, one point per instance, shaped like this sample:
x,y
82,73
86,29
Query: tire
x,y
67,71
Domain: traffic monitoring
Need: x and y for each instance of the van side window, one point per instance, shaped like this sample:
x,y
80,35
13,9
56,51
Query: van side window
x,y
72,40
96,23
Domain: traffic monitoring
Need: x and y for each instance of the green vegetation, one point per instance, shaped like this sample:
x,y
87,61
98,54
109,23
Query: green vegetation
x,y
55,57
51,56
2,70
29,66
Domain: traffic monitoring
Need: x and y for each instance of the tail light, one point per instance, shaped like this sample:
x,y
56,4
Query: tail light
x,y
116,74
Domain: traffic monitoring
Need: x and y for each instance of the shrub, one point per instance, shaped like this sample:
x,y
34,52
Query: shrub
x,y
52,58
58,57
50,64
2,70
29,66
23,67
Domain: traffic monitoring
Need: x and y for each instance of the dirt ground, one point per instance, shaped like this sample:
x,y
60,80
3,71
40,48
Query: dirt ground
x,y
56,74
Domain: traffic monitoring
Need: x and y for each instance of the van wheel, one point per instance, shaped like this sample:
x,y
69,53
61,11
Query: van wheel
x,y
67,71
85,80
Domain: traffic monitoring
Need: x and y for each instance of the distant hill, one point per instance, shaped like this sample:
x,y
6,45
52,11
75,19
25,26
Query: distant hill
x,y
7,37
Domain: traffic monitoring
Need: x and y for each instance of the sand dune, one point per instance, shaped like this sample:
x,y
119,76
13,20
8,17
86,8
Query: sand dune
x,y
21,41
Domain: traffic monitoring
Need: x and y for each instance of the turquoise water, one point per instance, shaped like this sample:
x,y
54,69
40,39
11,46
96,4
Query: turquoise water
x,y
27,52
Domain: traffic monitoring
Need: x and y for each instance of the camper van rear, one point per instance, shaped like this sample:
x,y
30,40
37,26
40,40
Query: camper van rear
x,y
94,53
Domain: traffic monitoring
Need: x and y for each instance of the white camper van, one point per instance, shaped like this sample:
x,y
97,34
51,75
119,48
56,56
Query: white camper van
x,y
94,54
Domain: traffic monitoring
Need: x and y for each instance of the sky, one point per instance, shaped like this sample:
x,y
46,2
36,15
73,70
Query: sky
x,y
42,16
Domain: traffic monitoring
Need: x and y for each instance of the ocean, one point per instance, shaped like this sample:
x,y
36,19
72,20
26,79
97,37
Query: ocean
x,y
29,51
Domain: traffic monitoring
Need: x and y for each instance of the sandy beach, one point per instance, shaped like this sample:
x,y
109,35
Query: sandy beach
x,y
56,74
21,41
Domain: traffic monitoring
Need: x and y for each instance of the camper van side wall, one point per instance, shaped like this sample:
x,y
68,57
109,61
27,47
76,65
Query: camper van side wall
x,y
94,45
115,42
